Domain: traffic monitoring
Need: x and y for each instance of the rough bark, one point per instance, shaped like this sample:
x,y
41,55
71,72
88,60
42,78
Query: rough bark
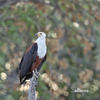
x,y
32,89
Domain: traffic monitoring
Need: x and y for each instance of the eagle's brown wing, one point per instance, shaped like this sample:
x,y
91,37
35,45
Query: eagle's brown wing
x,y
26,63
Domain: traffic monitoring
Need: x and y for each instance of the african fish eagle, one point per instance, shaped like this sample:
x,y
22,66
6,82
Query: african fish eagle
x,y
33,58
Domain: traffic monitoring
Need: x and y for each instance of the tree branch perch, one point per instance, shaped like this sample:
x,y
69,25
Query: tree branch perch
x,y
32,89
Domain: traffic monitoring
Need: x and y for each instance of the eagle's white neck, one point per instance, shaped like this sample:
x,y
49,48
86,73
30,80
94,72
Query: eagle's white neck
x,y
42,49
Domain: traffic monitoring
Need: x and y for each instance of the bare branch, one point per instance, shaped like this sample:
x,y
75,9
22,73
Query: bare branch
x,y
32,89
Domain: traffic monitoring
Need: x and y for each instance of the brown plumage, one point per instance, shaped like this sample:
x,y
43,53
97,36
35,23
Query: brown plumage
x,y
32,59
37,63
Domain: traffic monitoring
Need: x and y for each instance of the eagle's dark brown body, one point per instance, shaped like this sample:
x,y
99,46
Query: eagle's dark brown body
x,y
29,62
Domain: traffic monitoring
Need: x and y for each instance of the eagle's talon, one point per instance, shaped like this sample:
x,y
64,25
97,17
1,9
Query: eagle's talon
x,y
36,73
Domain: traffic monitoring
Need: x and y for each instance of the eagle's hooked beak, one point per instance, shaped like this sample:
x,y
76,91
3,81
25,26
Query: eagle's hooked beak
x,y
37,34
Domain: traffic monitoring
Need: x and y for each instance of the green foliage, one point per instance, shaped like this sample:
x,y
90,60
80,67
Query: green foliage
x,y
16,94
80,22
43,90
9,97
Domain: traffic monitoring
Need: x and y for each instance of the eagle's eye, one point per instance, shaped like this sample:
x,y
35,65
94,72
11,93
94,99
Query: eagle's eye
x,y
40,33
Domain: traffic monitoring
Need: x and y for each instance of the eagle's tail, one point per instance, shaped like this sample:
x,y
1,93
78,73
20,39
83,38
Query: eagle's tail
x,y
23,79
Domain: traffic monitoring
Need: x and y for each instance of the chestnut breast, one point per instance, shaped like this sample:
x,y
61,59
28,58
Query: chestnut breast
x,y
37,63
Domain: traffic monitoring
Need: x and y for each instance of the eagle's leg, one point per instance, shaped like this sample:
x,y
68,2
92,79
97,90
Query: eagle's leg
x,y
36,73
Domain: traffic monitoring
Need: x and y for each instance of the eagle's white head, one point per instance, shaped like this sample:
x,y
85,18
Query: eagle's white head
x,y
41,35
41,42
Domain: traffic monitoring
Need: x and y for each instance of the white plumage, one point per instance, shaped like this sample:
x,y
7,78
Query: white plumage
x,y
41,42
